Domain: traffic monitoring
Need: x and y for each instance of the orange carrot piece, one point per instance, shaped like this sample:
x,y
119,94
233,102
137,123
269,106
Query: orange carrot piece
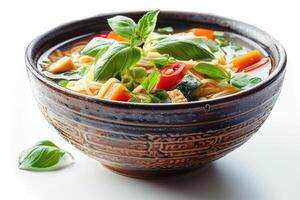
x,y
62,65
113,35
241,62
203,32
119,93
257,65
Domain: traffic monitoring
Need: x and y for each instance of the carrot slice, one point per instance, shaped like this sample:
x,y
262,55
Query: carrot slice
x,y
257,65
203,32
113,35
118,92
62,65
241,62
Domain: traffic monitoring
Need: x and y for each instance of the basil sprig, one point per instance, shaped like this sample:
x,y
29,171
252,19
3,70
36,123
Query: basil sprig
x,y
113,57
136,33
183,48
44,156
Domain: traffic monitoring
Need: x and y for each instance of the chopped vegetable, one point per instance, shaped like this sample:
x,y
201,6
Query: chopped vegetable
x,y
167,29
117,92
113,35
203,32
170,76
188,84
62,65
257,65
177,96
241,62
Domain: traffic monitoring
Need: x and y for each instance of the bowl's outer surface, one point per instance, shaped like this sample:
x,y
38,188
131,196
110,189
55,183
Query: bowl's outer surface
x,y
154,140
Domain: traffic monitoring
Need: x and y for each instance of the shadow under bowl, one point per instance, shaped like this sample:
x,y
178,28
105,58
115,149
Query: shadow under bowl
x,y
153,140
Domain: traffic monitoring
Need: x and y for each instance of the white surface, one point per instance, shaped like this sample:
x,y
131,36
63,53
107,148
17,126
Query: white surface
x,y
266,168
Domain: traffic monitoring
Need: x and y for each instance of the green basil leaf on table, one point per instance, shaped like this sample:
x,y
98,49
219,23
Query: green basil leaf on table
x,y
183,49
243,80
44,156
95,45
211,71
145,27
118,57
123,26
150,81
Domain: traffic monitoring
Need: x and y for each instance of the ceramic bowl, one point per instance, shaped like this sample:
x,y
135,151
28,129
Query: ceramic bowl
x,y
153,140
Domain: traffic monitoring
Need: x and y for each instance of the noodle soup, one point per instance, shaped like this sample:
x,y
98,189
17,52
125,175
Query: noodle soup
x,y
137,62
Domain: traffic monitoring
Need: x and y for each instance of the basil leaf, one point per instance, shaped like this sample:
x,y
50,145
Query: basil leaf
x,y
211,71
145,27
123,26
138,73
243,80
44,156
118,57
150,81
167,29
160,96
95,45
183,49
68,75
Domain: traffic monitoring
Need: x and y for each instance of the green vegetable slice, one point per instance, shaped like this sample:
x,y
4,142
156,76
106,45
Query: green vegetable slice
x,y
188,84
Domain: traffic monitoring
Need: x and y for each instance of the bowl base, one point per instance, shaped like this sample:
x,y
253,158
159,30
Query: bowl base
x,y
148,174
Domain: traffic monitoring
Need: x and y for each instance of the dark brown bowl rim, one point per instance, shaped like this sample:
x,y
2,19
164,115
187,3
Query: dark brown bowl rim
x,y
279,69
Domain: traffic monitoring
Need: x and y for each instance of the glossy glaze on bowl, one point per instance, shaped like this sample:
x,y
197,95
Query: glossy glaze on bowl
x,y
147,140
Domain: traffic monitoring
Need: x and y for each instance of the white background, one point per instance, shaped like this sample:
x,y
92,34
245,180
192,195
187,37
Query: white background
x,y
266,168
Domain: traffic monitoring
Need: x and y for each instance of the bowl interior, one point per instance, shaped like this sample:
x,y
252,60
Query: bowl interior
x,y
180,20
